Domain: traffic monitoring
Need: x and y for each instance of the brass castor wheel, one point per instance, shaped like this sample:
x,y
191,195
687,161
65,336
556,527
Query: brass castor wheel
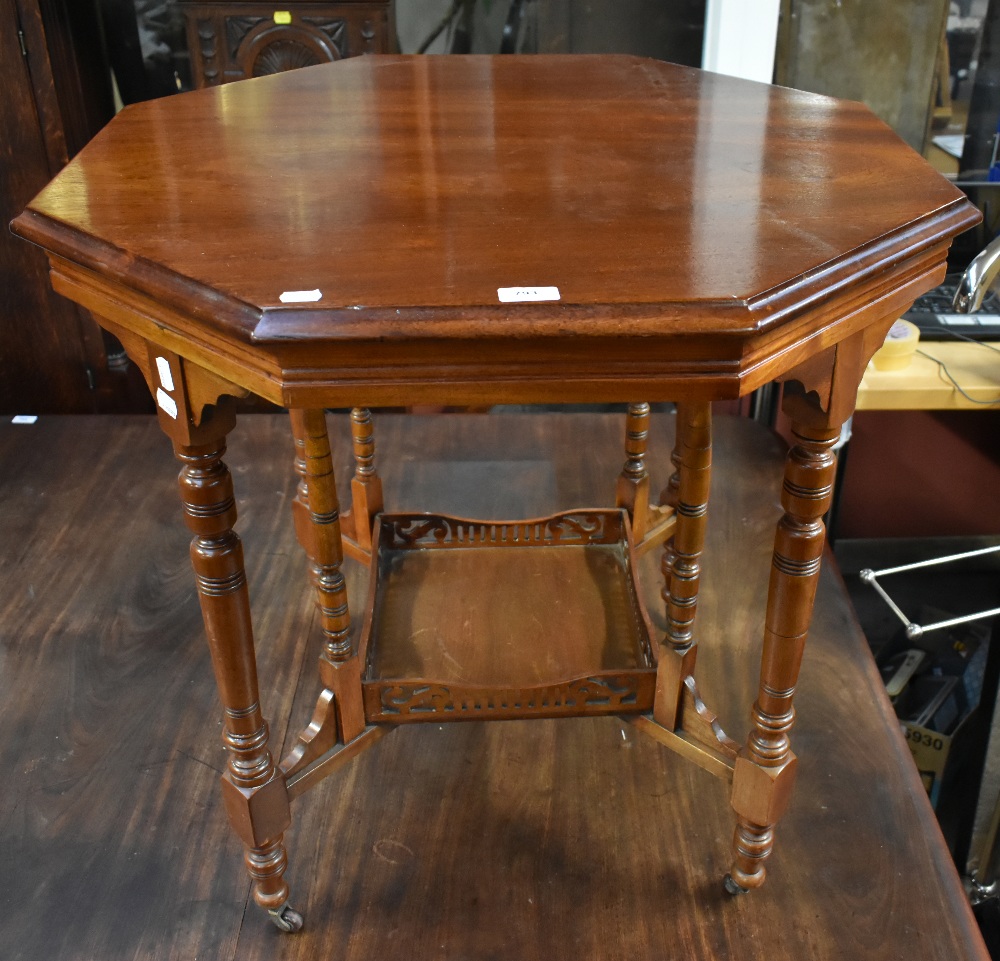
x,y
732,887
286,919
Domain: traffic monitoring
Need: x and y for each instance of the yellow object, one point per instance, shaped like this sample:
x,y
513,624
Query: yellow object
x,y
922,386
282,16
897,351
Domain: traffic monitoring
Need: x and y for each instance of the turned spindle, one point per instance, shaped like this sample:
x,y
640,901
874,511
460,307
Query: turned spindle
x,y
254,790
694,471
339,714
632,491
764,774
366,485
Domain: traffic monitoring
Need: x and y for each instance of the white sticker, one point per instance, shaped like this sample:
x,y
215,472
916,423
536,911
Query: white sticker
x,y
166,402
899,331
24,418
513,295
300,296
166,378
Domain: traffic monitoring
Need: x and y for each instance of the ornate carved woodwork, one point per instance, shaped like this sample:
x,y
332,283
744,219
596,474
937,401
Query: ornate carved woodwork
x,y
239,40
428,532
361,289
602,660
432,702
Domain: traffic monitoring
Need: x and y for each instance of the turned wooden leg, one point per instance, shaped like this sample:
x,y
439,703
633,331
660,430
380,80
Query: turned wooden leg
x,y
254,790
668,498
366,485
694,458
764,773
694,425
633,483
317,525
339,713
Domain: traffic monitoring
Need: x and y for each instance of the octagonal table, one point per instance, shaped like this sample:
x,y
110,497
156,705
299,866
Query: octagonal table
x,y
475,231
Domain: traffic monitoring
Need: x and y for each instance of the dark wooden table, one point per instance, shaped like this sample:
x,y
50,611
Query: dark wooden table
x,y
498,230
536,840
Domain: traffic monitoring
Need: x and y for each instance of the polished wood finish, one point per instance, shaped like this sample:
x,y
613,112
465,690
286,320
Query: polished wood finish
x,y
480,837
551,604
652,524
317,517
760,224
755,251
366,487
633,483
763,778
668,500
253,789
681,565
339,716
694,477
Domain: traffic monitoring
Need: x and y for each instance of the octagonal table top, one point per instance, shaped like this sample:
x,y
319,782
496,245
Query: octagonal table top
x,y
410,198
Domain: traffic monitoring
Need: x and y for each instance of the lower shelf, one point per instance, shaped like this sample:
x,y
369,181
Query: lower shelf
x,y
505,619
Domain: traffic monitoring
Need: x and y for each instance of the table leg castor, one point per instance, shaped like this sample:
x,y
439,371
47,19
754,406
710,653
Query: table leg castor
x,y
732,887
286,919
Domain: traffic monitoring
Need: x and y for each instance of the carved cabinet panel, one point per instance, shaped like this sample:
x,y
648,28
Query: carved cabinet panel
x,y
233,41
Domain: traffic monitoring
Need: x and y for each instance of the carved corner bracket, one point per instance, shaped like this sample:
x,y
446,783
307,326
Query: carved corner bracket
x,y
822,391
192,403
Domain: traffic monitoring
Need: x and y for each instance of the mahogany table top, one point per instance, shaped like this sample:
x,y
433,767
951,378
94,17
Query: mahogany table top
x,y
686,218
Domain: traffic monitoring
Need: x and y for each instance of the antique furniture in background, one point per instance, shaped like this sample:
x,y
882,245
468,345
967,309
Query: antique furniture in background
x,y
841,49
481,230
57,95
237,40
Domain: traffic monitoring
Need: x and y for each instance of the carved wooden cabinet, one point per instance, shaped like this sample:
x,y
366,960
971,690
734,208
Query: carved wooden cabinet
x,y
53,357
234,41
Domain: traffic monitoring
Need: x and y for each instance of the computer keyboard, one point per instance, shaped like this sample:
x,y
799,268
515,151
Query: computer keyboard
x,y
934,316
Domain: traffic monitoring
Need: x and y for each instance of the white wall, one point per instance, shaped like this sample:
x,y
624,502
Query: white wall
x,y
740,37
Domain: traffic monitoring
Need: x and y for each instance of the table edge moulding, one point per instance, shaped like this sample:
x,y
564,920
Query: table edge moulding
x,y
806,301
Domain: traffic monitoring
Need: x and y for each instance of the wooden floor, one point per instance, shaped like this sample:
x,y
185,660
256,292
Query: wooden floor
x,y
513,840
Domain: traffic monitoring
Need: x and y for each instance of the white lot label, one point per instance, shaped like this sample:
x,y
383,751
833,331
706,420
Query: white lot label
x,y
163,369
300,296
513,295
166,402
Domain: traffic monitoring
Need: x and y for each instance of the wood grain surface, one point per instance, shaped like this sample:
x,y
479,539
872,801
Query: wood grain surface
x,y
669,185
705,234
542,839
